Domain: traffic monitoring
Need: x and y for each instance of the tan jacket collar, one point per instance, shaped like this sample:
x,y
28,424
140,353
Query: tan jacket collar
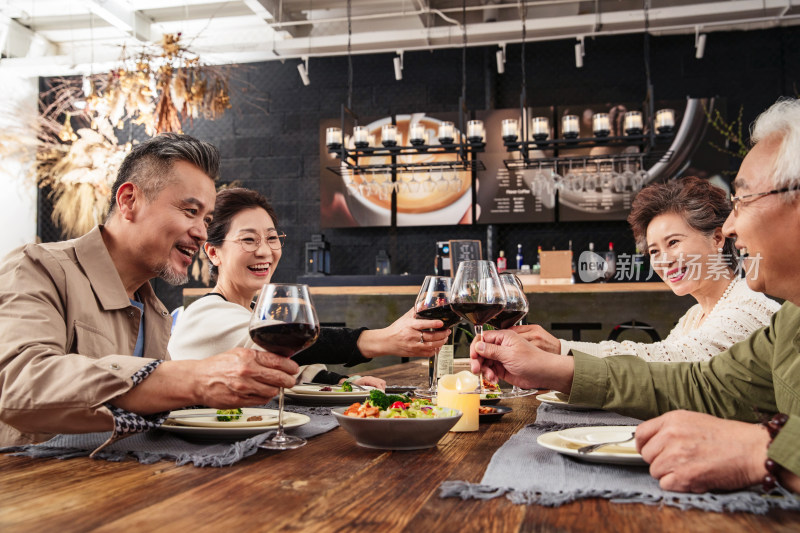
x,y
95,260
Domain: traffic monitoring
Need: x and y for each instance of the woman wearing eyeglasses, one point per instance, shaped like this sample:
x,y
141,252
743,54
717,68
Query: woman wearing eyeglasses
x,y
244,247
679,224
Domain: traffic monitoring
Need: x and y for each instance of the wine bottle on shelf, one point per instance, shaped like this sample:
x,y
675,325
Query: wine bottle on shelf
x,y
611,263
519,257
501,262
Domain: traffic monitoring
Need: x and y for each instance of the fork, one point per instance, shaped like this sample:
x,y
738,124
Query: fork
x,y
592,447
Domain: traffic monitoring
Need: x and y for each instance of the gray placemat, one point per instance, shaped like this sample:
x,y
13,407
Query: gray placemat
x,y
527,473
156,445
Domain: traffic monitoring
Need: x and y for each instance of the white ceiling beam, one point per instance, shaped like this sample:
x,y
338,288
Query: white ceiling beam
x,y
119,15
18,41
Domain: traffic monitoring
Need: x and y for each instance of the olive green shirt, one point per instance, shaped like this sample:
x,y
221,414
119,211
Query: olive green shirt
x,y
760,375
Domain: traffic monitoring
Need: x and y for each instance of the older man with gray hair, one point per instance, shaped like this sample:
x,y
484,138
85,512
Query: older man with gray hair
x,y
703,434
83,338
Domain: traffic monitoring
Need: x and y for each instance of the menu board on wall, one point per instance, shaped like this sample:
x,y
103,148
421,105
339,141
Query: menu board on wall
x,y
509,196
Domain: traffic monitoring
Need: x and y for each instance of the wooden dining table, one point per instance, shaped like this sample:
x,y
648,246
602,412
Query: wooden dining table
x,y
331,484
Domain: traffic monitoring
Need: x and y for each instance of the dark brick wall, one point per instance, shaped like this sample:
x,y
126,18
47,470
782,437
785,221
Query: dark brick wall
x,y
278,153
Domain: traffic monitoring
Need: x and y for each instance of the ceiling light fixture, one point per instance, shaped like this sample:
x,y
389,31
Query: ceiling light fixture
x,y
580,51
398,66
501,58
302,68
699,43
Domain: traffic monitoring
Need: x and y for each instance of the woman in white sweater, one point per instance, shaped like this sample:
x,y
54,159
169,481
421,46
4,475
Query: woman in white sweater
x,y
244,248
679,223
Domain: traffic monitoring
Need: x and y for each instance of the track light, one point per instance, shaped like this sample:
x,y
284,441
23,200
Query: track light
x,y
501,58
699,43
302,68
398,66
579,53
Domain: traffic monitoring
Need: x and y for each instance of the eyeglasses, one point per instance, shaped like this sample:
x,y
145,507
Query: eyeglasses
x,y
737,200
275,241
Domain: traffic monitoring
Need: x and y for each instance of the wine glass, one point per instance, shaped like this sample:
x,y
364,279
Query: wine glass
x,y
515,310
433,303
284,322
477,295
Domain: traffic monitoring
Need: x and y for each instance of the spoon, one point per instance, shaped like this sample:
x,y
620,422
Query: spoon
x,y
592,447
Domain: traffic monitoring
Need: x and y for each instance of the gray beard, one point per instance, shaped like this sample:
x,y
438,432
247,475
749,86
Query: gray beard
x,y
168,274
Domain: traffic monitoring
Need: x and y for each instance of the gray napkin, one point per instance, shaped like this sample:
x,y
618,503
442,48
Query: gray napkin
x,y
156,445
527,473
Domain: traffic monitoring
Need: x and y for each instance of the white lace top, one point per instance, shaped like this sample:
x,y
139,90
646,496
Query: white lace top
x,y
733,319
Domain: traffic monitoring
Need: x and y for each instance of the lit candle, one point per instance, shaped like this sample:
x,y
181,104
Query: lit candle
x,y
475,131
360,137
416,135
633,123
540,128
333,137
509,129
600,125
569,126
446,132
665,120
457,391
389,135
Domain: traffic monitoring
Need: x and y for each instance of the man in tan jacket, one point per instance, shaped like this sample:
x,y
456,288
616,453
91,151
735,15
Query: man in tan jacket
x,y
83,338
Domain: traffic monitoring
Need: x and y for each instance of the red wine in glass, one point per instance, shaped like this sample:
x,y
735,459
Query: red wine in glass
x,y
477,295
507,318
284,322
477,313
433,303
285,339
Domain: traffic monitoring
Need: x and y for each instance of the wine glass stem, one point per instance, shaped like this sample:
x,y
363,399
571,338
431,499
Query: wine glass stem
x,y
479,337
279,433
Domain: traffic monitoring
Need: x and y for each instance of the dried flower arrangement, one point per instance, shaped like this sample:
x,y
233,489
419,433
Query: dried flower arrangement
x,y
158,87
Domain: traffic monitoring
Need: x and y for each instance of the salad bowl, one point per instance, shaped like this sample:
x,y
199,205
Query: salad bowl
x,y
398,433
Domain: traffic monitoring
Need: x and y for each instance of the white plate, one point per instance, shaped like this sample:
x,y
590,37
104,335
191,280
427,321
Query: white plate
x,y
290,420
311,395
550,398
269,418
610,455
584,436
314,390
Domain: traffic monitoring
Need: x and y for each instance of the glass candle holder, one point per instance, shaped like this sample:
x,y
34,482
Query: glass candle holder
x,y
416,134
665,120
360,137
600,125
446,132
475,131
569,126
540,128
333,138
633,123
389,135
372,140
509,129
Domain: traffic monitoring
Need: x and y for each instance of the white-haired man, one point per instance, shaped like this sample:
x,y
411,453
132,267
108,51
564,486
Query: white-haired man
x,y
714,443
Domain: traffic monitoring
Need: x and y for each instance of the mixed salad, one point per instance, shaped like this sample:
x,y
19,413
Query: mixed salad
x,y
380,405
